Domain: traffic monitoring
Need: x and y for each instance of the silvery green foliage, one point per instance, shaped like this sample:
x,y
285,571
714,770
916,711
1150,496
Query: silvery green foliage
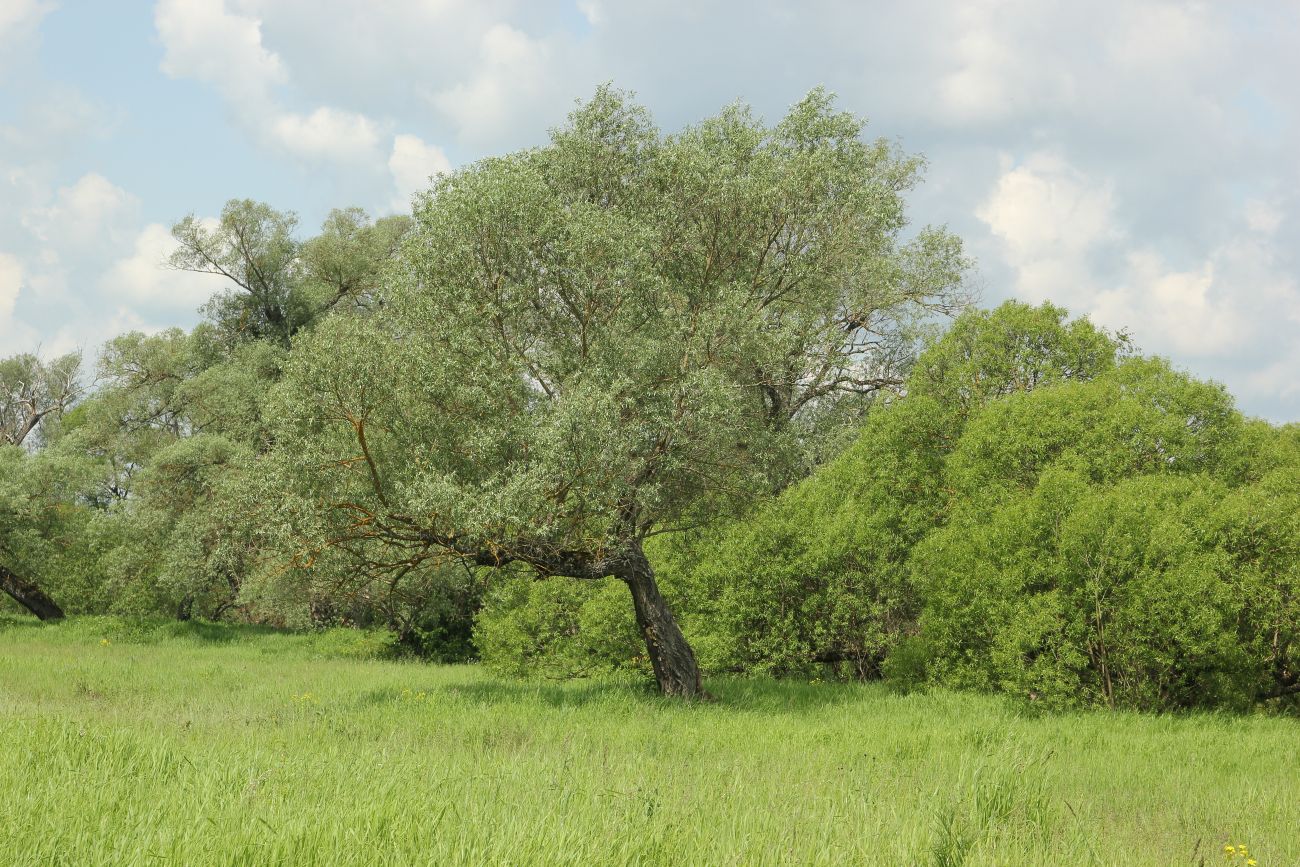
x,y
342,267
613,336
35,487
43,518
34,393
173,429
252,246
276,285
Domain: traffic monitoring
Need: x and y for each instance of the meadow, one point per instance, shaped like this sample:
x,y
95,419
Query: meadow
x,y
201,744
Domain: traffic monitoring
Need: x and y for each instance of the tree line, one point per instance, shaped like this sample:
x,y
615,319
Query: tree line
x,y
704,370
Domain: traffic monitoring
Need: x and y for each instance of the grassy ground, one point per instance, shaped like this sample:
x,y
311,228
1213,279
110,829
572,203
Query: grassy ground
x,y
208,745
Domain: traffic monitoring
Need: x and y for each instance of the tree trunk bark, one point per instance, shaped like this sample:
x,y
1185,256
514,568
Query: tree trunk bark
x,y
29,596
674,662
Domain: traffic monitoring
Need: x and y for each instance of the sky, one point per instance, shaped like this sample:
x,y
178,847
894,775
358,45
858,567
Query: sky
x,y
1132,161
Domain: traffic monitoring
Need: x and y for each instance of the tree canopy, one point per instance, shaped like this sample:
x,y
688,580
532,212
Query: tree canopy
x,y
33,391
278,285
612,337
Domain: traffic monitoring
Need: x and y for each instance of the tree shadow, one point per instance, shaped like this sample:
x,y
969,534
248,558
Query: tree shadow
x,y
771,696
569,694
749,695
144,630
149,631
17,618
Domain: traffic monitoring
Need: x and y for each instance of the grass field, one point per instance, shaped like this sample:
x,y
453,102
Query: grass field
x,y
212,745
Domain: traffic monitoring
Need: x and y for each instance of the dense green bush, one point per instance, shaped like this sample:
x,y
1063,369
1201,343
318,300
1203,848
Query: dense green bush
x,y
558,629
1089,556
1073,594
1043,514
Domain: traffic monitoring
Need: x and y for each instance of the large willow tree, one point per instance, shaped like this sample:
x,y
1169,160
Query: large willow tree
x,y
32,393
618,335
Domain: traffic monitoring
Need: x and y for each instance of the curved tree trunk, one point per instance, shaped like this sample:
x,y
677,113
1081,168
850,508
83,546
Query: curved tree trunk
x,y
670,654
29,596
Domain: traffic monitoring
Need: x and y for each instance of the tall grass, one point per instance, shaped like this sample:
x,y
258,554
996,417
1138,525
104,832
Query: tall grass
x,y
197,745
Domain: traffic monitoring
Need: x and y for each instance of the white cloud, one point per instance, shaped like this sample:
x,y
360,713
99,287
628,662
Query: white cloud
x,y
18,22
382,58
1181,312
1276,381
1049,217
11,282
1263,217
986,78
206,41
1063,240
486,76
328,134
76,229
593,11
81,268
144,280
411,164
91,213
15,335
1179,121
996,60
512,76
1164,38
57,117
16,15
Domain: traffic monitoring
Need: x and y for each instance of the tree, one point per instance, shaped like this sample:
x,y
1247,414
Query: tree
x,y
177,422
1259,527
176,426
252,246
38,520
608,339
32,390
280,284
343,265
1081,563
